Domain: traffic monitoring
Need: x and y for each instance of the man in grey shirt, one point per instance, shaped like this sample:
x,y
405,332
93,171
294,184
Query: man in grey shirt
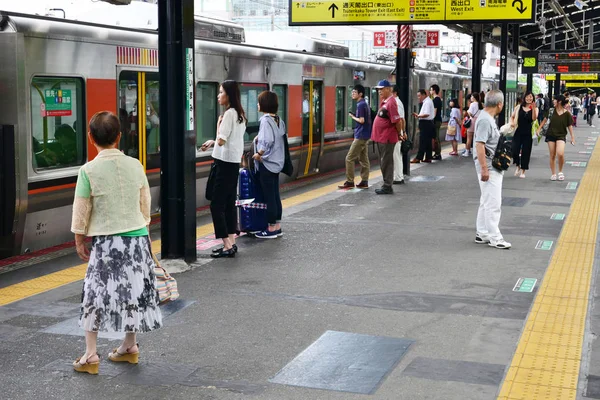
x,y
490,179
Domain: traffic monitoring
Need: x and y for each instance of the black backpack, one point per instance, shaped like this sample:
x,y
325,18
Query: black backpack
x,y
502,156
373,115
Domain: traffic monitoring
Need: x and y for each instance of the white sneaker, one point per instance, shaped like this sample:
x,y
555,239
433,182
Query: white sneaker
x,y
481,239
466,153
500,244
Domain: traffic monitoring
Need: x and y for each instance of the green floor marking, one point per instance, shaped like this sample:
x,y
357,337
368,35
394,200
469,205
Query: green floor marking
x,y
544,245
557,217
571,185
525,285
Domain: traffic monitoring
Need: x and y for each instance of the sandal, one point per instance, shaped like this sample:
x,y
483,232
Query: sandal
x,y
522,176
553,178
561,176
131,358
518,171
89,367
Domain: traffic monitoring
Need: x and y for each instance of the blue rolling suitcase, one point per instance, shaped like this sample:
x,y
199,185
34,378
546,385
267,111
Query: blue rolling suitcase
x,y
253,215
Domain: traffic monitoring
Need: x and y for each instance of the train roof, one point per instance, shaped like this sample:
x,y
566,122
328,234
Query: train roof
x,y
39,26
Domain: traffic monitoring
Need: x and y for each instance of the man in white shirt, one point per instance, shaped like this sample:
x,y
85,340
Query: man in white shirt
x,y
426,127
398,162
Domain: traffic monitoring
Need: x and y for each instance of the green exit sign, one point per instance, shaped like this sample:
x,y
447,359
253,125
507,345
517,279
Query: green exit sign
x,y
525,285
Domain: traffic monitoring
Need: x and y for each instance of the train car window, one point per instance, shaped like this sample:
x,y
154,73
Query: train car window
x,y
206,112
374,103
58,126
249,93
351,107
340,114
281,91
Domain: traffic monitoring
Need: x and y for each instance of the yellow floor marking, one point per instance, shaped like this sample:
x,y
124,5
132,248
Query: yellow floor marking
x,y
548,357
54,280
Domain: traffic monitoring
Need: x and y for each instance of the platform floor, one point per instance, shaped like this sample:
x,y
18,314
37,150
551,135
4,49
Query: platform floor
x,y
365,297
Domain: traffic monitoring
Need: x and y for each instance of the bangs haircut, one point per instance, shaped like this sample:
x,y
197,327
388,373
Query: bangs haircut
x,y
105,128
268,102
360,89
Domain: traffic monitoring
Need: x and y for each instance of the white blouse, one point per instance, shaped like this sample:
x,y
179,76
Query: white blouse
x,y
232,132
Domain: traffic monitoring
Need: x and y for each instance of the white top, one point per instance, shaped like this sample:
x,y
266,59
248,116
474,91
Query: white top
x,y
400,107
305,106
233,133
428,109
473,108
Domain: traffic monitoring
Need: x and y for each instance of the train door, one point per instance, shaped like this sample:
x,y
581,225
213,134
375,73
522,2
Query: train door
x,y
139,116
312,127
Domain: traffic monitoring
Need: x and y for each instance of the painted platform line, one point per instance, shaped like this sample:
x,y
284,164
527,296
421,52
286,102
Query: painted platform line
x,y
547,360
32,287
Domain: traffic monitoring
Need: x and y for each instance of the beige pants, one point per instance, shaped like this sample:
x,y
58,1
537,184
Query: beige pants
x,y
398,164
358,151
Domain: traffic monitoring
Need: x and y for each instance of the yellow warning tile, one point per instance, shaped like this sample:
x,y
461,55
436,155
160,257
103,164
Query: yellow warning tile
x,y
546,378
557,365
527,391
555,339
548,356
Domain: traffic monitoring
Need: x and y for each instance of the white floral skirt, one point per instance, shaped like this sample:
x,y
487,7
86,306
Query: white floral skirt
x,y
119,290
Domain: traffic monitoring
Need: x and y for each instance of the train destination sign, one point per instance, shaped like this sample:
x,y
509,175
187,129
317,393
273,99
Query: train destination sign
x,y
381,12
565,62
582,84
57,103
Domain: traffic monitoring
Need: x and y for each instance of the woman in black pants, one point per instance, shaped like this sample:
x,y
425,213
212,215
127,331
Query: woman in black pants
x,y
227,155
523,116
269,156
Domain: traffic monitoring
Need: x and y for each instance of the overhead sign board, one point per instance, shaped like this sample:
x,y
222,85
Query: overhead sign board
x,y
342,12
582,84
572,77
566,61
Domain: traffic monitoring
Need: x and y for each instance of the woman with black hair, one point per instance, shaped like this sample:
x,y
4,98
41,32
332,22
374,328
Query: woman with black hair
x,y
522,117
560,120
227,154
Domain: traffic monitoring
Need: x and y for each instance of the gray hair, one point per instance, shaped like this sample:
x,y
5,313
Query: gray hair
x,y
493,98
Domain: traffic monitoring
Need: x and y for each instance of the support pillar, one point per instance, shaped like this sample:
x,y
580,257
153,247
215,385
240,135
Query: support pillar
x,y
476,59
177,134
503,67
557,80
403,59
530,83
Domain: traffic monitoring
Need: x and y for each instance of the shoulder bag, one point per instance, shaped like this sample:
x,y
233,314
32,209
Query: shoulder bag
x,y
546,126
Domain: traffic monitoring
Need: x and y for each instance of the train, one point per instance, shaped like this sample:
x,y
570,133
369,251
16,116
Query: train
x,y
55,74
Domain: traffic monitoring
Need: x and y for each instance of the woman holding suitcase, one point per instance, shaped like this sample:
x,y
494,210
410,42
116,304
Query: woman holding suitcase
x,y
269,156
227,154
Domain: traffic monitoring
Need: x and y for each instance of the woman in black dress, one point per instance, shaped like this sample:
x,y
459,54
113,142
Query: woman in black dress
x,y
523,116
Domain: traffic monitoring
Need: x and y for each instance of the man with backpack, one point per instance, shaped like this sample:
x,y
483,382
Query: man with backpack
x,y
359,149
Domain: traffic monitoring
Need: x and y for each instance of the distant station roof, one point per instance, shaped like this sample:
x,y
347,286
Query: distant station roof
x,y
564,17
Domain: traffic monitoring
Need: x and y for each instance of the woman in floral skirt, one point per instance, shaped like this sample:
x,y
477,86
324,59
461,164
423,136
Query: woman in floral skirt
x,y
112,205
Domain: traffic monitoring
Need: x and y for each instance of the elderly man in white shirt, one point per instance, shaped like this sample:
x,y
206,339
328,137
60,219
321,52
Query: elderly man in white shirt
x,y
398,161
426,128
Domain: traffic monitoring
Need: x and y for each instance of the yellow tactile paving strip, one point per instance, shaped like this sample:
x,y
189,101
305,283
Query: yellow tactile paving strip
x,y
548,357
54,280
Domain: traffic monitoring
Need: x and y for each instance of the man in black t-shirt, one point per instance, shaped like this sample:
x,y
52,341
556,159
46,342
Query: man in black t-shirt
x,y
434,90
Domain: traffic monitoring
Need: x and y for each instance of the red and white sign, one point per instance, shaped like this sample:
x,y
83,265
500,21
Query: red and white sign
x,y
385,39
378,39
423,39
433,38
498,63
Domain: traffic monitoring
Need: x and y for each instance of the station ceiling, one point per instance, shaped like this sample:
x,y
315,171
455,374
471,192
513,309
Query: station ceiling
x,y
569,24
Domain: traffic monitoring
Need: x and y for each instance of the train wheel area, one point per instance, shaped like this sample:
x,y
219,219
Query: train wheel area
x,y
386,296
